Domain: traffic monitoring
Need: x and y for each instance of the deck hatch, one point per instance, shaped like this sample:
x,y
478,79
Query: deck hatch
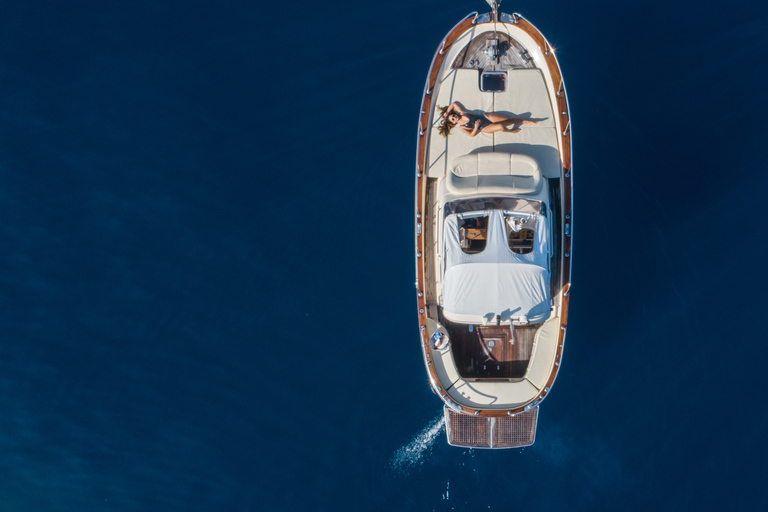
x,y
493,81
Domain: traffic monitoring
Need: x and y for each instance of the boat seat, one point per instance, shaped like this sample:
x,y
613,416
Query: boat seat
x,y
494,174
543,353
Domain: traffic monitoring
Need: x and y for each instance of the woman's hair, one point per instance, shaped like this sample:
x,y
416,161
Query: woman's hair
x,y
444,127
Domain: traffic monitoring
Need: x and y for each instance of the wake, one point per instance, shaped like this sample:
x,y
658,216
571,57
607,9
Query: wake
x,y
411,455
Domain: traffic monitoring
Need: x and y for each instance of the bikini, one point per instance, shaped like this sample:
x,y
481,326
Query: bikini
x,y
484,121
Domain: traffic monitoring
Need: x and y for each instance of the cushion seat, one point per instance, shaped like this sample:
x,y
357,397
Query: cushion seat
x,y
494,174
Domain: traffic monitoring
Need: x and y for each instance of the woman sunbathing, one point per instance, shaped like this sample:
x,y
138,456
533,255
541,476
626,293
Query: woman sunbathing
x,y
471,124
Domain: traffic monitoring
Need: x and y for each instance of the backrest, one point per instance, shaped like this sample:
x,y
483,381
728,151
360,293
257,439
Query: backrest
x,y
494,173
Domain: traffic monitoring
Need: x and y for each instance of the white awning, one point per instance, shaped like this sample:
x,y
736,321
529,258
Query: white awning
x,y
479,287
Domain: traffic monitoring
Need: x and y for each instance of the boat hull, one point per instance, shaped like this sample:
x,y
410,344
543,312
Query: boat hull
x,y
460,394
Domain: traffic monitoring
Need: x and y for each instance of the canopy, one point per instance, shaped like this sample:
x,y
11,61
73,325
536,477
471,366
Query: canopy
x,y
496,281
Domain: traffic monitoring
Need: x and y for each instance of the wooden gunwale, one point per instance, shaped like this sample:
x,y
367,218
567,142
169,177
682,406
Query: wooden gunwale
x,y
421,180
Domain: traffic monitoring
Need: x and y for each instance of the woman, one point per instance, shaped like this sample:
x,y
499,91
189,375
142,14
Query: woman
x,y
471,124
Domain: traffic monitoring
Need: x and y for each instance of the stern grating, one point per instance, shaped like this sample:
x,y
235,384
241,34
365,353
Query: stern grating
x,y
514,431
491,432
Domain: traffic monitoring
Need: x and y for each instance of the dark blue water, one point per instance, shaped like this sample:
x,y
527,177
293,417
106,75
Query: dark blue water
x,y
206,295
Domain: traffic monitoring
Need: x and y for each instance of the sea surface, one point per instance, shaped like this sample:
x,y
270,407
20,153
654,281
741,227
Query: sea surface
x,y
207,272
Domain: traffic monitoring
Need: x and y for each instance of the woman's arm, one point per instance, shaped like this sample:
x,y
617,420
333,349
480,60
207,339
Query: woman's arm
x,y
456,107
474,131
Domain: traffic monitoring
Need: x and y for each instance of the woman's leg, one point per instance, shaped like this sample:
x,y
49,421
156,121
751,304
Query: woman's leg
x,y
498,118
500,127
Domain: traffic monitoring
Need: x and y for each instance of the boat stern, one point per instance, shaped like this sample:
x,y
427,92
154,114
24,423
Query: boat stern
x,y
491,431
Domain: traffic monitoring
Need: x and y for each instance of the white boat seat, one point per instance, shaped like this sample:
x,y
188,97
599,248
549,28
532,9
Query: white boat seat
x,y
494,174
543,353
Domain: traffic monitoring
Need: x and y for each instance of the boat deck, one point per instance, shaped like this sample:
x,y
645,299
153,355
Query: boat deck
x,y
512,54
491,352
526,95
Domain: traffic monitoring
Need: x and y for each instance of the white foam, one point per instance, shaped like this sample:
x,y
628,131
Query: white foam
x,y
411,455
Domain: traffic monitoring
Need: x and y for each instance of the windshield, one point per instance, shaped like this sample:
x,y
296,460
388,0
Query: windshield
x,y
473,232
520,231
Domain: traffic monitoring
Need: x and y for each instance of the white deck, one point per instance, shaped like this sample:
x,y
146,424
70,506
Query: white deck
x,y
526,96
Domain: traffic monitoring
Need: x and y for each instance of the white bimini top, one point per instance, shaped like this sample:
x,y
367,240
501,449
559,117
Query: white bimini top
x,y
496,282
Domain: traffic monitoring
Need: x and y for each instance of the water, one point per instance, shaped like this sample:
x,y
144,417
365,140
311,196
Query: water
x,y
207,295
414,453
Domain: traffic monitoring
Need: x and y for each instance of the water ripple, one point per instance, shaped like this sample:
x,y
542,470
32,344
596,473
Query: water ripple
x,y
411,455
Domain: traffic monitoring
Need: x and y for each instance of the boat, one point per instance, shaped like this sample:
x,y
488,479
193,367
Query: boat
x,y
494,229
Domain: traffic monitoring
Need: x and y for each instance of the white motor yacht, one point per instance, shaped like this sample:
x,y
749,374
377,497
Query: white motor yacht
x,y
494,227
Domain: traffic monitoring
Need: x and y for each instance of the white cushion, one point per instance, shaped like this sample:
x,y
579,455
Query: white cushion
x,y
462,86
499,395
544,351
493,174
526,96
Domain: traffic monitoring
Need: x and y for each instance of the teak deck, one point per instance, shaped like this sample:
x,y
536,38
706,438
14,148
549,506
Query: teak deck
x,y
490,351
512,53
